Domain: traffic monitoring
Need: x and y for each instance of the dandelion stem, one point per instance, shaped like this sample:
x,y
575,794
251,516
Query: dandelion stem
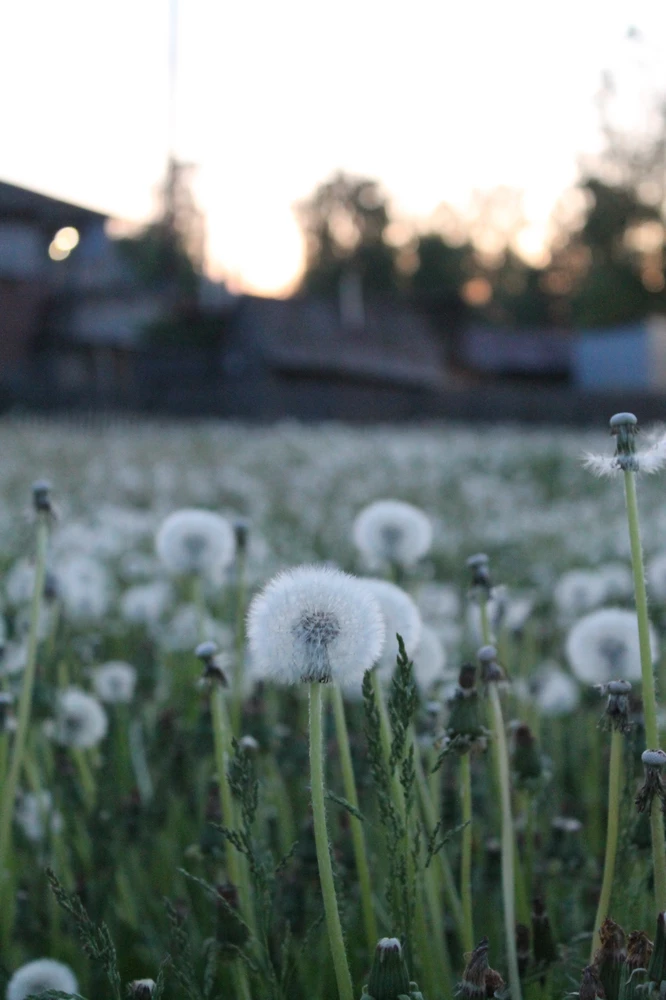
x,y
222,744
649,698
614,791
237,672
332,915
508,888
466,859
358,836
10,782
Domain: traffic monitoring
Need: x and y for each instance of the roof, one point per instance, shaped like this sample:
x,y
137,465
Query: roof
x,y
395,344
21,203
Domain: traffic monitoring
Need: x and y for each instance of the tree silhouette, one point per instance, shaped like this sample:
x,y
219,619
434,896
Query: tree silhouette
x,y
344,223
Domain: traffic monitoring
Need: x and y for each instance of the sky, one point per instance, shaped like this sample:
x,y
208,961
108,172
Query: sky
x,y
434,98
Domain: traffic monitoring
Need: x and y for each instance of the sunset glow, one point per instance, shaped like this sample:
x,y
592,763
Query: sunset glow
x,y
435,101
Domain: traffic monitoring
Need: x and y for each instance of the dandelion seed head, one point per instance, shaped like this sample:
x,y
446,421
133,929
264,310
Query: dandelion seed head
x,y
193,541
555,692
401,617
429,659
114,682
392,532
39,976
604,645
144,604
34,812
80,720
578,591
314,624
85,587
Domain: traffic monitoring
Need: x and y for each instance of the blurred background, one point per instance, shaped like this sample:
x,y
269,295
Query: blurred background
x,y
363,211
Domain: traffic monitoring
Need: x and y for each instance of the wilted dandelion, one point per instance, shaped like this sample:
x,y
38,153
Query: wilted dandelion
x,y
114,682
39,976
604,645
649,460
196,542
315,624
80,720
392,532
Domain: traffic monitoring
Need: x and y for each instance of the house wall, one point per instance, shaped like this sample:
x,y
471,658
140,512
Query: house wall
x,y
609,359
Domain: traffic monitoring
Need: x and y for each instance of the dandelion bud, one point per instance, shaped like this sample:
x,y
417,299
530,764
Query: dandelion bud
x,y
610,958
657,967
653,761
590,985
464,727
526,757
522,948
543,943
639,951
140,989
479,567
41,496
490,668
624,427
616,715
214,672
241,526
479,981
389,978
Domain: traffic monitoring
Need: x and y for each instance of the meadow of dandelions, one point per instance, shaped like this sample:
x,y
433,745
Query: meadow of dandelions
x,y
322,712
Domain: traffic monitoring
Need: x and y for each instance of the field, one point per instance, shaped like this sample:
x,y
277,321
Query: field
x,y
138,840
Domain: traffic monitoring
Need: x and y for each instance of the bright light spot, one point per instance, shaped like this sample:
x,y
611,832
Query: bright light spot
x,y
531,245
653,280
264,259
66,239
56,252
477,292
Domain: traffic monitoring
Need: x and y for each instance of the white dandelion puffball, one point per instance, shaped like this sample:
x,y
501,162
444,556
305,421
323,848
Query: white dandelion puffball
x,y
390,531
34,812
20,583
556,693
429,659
603,646
401,617
39,976
145,603
80,721
315,623
114,682
578,591
196,541
84,586
183,631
